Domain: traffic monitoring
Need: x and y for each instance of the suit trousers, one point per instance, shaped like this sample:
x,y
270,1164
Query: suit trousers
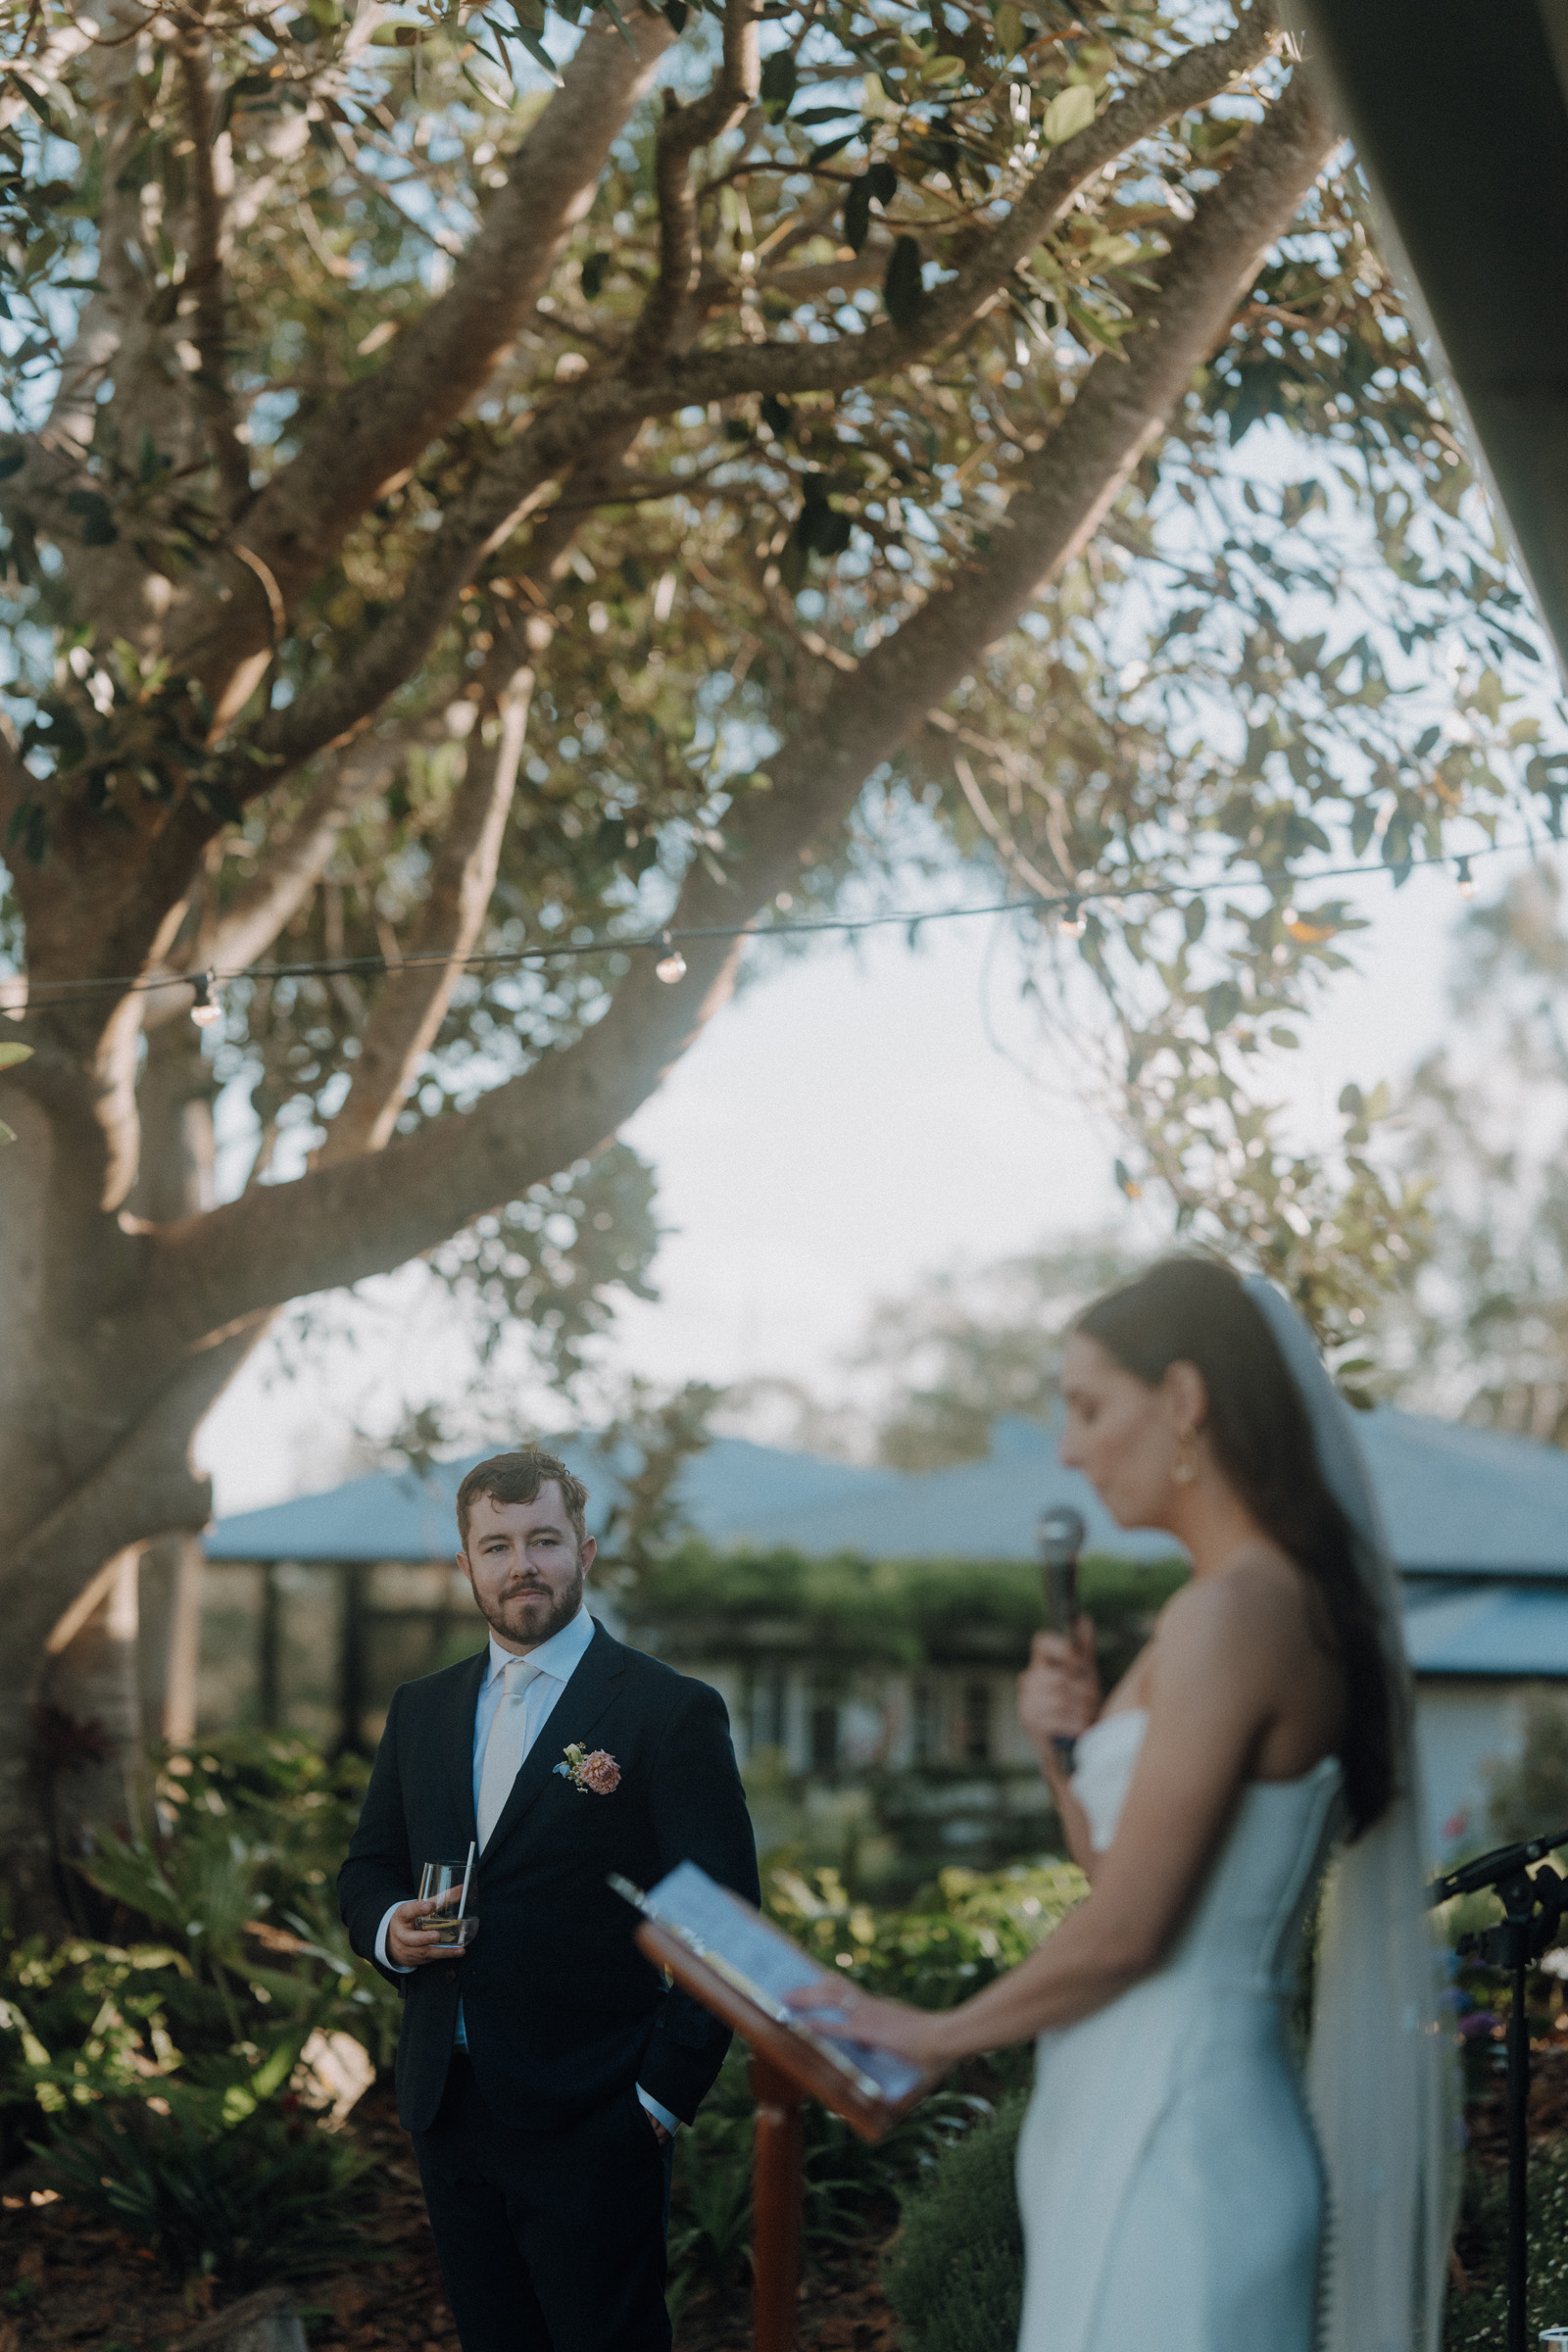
x,y
547,2243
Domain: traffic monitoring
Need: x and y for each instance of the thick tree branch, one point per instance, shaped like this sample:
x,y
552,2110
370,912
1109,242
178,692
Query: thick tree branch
x,y
122,333
367,1216
143,1486
205,279
412,1003
503,493
684,129
383,421
241,933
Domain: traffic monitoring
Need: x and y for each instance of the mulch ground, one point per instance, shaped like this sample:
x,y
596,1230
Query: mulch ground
x,y
68,2280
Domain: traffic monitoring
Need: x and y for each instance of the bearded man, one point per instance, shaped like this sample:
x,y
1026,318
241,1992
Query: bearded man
x,y
544,2069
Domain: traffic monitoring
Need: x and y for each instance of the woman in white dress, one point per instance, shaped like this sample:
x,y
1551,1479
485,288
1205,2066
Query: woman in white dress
x,y
1177,2187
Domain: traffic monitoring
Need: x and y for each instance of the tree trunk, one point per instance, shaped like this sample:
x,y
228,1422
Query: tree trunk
x,y
175,1103
169,1639
89,1725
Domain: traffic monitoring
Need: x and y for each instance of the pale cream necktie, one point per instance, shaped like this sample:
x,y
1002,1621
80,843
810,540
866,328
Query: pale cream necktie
x,y
506,1746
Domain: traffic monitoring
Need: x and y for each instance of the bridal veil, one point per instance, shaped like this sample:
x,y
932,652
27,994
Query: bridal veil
x,y
1382,2080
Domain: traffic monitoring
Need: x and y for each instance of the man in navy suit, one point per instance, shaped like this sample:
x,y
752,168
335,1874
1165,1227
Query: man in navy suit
x,y
544,2070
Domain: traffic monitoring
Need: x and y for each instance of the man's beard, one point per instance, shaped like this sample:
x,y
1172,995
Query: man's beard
x,y
532,1613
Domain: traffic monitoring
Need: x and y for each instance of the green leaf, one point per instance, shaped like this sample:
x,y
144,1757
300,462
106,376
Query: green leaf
x,y
30,98
832,147
1195,916
904,287
779,83
620,22
775,415
531,14
97,520
591,275
1221,1005
11,1055
1009,29
858,212
541,55
1070,110
675,14
883,181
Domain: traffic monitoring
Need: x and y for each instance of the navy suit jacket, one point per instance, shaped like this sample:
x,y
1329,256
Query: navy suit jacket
x,y
561,2011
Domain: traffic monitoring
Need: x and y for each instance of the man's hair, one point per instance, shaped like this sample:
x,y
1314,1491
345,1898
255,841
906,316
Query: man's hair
x,y
518,1478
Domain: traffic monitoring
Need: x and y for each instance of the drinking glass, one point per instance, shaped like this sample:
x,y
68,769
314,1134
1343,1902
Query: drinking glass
x,y
442,1883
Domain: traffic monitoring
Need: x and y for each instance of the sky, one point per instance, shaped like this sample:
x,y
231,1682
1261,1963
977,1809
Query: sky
x,y
851,1122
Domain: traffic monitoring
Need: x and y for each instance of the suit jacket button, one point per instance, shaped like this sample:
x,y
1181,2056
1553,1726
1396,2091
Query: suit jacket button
x,y
452,1972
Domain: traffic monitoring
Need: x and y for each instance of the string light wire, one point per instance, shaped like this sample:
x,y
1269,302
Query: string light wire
x,y
1070,907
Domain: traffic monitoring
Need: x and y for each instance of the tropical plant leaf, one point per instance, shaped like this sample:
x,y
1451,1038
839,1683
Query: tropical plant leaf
x,y
903,286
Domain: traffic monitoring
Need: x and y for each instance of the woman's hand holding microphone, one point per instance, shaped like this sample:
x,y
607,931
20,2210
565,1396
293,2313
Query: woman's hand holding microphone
x,y
1059,1694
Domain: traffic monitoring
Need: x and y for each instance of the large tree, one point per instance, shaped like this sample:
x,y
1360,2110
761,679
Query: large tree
x,y
450,516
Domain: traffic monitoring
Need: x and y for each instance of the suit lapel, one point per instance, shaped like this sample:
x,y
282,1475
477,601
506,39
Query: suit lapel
x,y
589,1691
458,1736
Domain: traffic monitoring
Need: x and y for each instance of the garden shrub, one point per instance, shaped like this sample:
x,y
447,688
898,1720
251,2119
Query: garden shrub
x,y
955,2275
162,2063
270,2197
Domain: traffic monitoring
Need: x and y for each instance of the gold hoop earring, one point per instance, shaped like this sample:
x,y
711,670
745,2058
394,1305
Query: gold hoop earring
x,y
1183,1469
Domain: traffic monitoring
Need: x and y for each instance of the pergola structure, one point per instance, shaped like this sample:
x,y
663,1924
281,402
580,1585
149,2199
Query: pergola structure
x,y
1460,117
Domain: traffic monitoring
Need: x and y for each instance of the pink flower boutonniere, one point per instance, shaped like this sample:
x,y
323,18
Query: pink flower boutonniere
x,y
595,1774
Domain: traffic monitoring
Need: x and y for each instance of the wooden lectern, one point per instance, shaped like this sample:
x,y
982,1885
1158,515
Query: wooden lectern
x,y
788,2065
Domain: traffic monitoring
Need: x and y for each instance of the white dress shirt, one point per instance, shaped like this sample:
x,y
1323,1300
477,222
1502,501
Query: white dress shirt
x,y
557,1660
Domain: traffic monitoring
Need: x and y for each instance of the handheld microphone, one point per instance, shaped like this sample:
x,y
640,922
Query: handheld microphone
x,y
1061,1540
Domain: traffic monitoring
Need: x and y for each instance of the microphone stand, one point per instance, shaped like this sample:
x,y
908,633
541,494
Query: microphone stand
x,y
1532,1911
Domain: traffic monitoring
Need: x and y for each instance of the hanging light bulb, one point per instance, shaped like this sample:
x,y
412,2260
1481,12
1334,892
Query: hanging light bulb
x,y
671,965
1464,878
205,1010
1073,921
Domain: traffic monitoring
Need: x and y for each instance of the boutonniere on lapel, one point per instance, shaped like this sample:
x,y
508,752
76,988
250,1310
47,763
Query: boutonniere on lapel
x,y
596,1775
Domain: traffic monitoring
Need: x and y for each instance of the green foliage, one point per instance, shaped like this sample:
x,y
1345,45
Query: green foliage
x,y
900,1612
962,1351
650,1436
233,1951
934,1953
955,2275
272,2198
1529,1796
79,2023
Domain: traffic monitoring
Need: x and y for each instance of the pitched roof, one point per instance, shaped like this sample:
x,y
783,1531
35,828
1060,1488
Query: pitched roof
x,y
1457,1502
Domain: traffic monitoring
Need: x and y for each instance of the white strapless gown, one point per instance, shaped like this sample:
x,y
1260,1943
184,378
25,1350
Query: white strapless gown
x,y
1168,2178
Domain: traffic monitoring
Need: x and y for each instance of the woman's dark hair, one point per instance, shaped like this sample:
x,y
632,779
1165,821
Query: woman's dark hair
x,y
1193,1310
